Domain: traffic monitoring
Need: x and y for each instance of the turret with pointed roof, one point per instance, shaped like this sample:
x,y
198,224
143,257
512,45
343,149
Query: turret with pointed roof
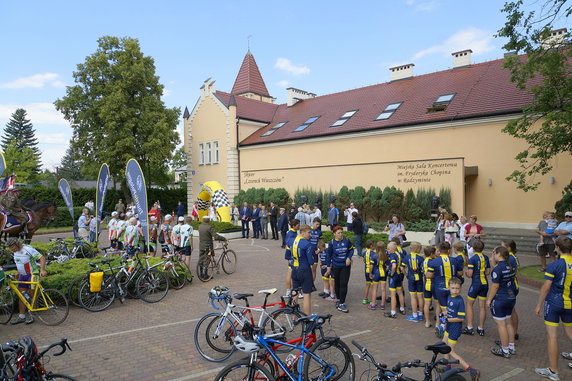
x,y
249,82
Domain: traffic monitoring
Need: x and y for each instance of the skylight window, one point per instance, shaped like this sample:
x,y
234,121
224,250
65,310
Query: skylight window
x,y
306,124
388,111
441,103
273,129
344,118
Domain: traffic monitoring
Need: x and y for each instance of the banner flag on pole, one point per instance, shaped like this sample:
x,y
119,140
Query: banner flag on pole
x,y
136,183
2,164
102,181
65,190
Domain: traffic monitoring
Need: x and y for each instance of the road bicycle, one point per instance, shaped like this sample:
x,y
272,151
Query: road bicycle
x,y
306,364
21,361
49,305
176,270
64,251
215,331
151,285
395,374
226,260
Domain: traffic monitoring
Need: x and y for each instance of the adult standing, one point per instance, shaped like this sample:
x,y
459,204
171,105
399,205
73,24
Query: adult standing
x,y
565,227
395,228
120,207
180,209
206,235
90,205
273,220
358,232
546,244
339,264
165,231
301,216
283,226
349,215
263,222
473,231
234,214
317,213
255,219
154,212
333,215
292,212
212,213
195,211
245,213
186,241
83,224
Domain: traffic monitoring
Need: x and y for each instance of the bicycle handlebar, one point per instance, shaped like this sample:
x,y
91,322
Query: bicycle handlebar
x,y
359,347
226,298
63,343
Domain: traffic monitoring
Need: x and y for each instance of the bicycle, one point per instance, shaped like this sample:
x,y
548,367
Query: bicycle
x,y
394,374
221,328
21,361
227,260
49,305
295,367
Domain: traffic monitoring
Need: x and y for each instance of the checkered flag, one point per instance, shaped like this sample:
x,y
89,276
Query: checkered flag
x,y
220,199
202,204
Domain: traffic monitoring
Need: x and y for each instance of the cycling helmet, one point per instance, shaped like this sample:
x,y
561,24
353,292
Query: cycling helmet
x,y
244,345
168,217
218,291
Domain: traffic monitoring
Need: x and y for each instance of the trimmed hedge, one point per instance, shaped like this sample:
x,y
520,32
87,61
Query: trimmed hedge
x,y
327,236
219,226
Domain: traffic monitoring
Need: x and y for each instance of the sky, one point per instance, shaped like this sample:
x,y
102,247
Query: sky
x,y
318,46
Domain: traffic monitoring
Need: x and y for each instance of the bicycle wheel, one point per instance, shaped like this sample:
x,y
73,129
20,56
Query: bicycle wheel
x,y
97,301
228,261
209,270
334,352
6,305
177,276
213,337
282,320
55,376
244,370
57,306
127,283
83,251
152,286
73,290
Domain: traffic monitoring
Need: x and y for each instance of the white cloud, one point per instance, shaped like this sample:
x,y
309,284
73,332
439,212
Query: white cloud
x,y
52,156
283,83
167,92
410,2
34,81
427,6
38,113
55,138
478,40
286,65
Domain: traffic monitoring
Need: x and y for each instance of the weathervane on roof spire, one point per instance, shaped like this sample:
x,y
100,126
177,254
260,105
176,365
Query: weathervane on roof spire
x,y
248,39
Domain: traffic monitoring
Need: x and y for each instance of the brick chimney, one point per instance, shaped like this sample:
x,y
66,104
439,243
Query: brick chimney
x,y
554,38
401,72
297,95
462,58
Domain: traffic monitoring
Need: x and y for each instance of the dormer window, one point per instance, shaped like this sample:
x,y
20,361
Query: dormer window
x,y
306,124
273,129
389,110
344,118
441,103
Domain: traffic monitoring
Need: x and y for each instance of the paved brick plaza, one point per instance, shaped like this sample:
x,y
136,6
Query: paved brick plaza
x,y
141,341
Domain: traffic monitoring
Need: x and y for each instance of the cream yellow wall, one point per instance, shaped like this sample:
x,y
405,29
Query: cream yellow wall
x,y
481,145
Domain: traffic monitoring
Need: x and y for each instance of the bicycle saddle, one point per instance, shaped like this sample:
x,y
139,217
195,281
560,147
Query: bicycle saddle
x,y
439,347
242,296
270,291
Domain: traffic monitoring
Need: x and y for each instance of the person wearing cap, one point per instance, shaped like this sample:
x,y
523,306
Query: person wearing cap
x,y
28,262
111,227
132,233
155,212
206,235
83,224
186,240
153,227
176,234
165,231
120,231
565,227
92,229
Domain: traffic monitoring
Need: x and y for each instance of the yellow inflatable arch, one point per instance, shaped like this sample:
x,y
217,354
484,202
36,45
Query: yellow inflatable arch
x,y
212,192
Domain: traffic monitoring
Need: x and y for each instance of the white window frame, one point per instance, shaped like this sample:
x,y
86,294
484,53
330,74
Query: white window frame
x,y
209,153
201,154
215,152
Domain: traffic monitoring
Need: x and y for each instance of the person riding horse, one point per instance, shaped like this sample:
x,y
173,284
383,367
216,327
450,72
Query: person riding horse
x,y
9,200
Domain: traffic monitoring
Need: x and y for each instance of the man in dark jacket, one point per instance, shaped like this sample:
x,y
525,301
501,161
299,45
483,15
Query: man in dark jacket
x,y
273,220
180,209
206,235
255,219
283,226
244,215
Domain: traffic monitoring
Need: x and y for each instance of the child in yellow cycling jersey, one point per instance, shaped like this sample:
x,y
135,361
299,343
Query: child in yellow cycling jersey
x,y
379,275
328,280
429,252
395,281
369,262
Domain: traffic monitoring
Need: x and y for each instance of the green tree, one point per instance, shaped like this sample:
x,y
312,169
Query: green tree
x,y
372,202
343,200
545,72
116,111
410,209
21,162
357,196
565,204
20,131
71,164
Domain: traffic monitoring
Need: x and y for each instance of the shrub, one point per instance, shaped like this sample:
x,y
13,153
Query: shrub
x,y
219,226
410,209
445,195
327,236
564,204
420,226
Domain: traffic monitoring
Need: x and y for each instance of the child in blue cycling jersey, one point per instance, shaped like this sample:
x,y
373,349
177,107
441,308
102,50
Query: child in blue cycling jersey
x,y
478,269
379,275
429,252
328,280
413,266
511,247
455,317
395,281
370,263
459,256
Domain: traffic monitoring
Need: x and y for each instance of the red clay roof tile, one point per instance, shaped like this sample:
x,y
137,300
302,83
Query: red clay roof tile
x,y
249,79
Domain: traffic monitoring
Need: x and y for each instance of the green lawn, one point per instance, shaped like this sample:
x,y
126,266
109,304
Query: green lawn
x,y
531,272
55,229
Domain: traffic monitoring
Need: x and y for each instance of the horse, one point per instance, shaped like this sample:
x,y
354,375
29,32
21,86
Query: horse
x,y
41,214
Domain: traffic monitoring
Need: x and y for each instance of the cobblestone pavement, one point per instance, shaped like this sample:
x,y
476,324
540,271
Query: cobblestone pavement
x,y
141,341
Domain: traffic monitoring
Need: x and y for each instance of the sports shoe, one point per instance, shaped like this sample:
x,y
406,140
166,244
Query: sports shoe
x,y
323,294
402,312
342,307
390,315
440,331
499,352
428,325
365,301
372,306
382,306
30,318
18,320
475,374
331,298
412,318
468,331
547,373
481,331
566,355
511,351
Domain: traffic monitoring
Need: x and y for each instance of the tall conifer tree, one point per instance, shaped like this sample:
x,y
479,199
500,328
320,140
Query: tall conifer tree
x,y
20,131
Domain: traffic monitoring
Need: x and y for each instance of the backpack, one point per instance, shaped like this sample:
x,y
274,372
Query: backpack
x,y
364,228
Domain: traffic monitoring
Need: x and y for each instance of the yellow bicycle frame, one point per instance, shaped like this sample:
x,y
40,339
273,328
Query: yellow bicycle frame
x,y
38,292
